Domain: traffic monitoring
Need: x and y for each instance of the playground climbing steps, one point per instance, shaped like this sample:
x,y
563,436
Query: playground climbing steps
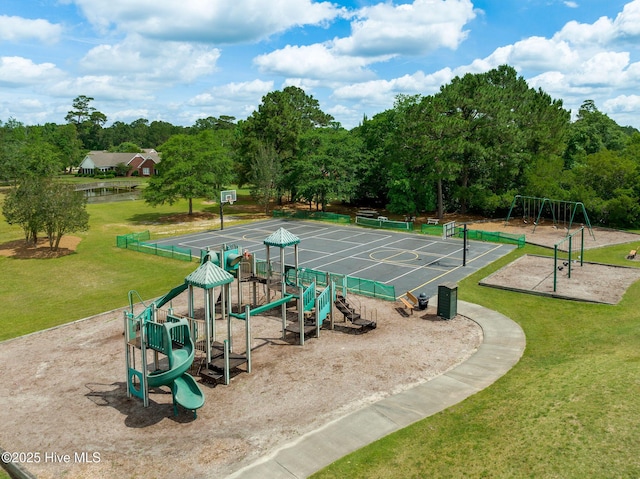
x,y
358,322
220,367
309,327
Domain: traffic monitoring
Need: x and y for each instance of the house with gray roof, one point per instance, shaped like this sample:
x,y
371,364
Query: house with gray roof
x,y
103,161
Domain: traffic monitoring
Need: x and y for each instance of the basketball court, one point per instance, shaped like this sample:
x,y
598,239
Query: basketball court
x,y
409,261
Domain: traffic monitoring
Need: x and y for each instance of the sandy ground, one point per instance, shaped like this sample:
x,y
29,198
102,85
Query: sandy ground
x,y
592,282
546,235
64,393
535,274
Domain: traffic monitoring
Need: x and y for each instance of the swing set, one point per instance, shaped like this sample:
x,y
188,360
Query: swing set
x,y
563,213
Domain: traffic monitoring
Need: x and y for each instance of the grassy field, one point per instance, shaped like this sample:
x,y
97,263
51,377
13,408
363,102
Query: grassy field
x,y
41,293
569,408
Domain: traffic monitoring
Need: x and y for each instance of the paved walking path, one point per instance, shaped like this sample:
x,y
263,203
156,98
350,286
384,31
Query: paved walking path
x,y
502,346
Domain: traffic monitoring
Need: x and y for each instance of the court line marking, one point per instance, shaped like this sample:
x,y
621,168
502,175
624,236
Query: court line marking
x,y
342,258
456,268
390,259
328,230
375,263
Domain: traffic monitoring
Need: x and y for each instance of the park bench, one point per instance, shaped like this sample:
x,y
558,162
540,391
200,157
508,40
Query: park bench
x,y
407,304
432,221
367,213
632,254
411,302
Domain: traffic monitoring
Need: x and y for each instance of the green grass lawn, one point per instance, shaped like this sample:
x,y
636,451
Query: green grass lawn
x,y
569,408
41,293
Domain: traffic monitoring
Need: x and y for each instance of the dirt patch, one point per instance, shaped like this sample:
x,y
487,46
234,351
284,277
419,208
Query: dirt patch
x,y
593,282
21,250
548,235
70,396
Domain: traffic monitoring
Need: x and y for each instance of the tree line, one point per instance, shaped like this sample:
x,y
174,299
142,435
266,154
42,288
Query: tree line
x,y
470,147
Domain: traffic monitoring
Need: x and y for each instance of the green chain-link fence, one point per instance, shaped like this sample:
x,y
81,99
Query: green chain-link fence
x,y
136,242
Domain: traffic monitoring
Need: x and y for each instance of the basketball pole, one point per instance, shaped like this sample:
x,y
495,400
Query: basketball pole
x,y
221,216
464,245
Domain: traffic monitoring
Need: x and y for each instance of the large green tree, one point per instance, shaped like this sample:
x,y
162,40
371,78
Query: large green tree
x,y
265,176
591,132
25,151
327,165
24,206
280,121
88,122
494,127
192,166
41,204
65,211
379,151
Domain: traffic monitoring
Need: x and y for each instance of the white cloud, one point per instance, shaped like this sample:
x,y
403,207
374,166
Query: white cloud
x,y
169,62
379,33
234,99
16,29
217,21
599,33
627,22
313,61
623,103
18,72
571,4
604,31
604,69
104,88
416,28
383,92
236,92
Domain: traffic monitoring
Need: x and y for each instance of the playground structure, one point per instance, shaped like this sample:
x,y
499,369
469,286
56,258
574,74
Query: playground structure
x,y
172,338
187,343
564,214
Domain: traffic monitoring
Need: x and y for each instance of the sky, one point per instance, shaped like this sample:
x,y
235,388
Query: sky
x,y
178,61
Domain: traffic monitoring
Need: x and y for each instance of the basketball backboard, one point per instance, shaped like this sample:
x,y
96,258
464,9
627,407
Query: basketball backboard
x,y
228,196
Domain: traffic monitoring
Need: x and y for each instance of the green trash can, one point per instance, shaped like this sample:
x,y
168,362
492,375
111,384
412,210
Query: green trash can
x,y
447,300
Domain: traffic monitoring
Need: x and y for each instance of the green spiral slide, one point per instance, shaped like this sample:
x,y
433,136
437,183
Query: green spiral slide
x,y
174,340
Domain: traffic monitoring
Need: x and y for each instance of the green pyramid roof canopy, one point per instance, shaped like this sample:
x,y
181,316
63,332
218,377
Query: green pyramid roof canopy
x,y
282,238
208,276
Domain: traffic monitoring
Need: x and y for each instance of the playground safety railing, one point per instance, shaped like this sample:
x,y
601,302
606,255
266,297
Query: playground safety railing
x,y
196,326
370,314
313,215
361,286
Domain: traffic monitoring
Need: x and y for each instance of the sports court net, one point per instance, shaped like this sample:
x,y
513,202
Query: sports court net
x,y
313,215
384,223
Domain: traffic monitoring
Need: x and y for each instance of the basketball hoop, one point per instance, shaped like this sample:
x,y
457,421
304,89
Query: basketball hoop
x,y
226,197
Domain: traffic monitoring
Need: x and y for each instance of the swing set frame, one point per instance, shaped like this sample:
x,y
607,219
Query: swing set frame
x,y
563,213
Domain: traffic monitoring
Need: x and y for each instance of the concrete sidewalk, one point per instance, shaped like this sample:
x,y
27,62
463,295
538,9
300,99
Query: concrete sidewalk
x,y
503,345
